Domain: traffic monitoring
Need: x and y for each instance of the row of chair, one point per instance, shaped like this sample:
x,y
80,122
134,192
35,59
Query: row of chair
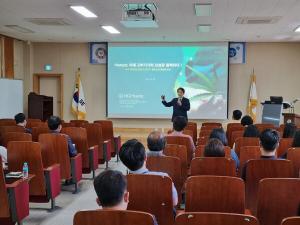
x,y
277,198
113,217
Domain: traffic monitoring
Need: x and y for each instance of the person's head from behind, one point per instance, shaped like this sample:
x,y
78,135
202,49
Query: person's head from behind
x,y
20,119
133,155
54,123
179,123
220,134
289,130
296,141
236,114
269,141
180,92
111,189
214,148
156,141
246,120
251,131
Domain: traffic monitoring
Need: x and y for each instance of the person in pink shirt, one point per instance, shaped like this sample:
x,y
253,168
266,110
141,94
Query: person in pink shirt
x,y
179,123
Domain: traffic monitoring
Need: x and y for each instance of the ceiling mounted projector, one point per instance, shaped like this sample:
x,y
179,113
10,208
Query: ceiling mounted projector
x,y
138,15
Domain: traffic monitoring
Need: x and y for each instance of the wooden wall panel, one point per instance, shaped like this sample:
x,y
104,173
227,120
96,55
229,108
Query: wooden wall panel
x,y
9,57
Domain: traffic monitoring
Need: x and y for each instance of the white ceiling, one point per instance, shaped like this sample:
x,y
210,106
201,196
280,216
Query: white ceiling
x,y
176,19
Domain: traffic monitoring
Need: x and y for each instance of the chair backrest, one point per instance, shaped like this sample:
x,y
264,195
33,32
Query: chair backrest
x,y
233,127
180,152
188,132
245,141
204,133
247,153
284,145
112,217
211,124
193,127
277,199
177,140
107,131
262,126
36,131
35,123
293,155
4,209
234,134
206,218
6,129
199,152
7,122
68,124
215,194
55,150
152,194
257,170
95,137
218,166
79,138
15,136
202,140
167,164
79,123
291,221
19,152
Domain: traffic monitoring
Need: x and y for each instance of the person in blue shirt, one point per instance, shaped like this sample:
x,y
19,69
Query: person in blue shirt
x,y
111,189
220,134
133,156
54,124
269,141
21,121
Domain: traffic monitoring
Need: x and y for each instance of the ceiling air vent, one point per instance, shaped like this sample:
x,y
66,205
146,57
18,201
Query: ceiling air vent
x,y
258,20
49,21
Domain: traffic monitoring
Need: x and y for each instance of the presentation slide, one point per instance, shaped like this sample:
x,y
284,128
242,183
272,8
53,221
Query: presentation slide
x,y
139,74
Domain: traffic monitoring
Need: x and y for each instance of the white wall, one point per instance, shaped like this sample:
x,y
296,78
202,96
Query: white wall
x,y
276,66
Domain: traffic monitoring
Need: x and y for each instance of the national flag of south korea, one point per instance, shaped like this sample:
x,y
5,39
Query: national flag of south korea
x,y
78,100
252,103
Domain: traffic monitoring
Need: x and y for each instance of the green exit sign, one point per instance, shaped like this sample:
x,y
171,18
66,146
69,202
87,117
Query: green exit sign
x,y
48,67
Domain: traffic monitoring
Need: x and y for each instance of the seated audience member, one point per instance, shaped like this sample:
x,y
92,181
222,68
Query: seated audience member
x,y
54,124
236,114
111,189
21,121
251,131
156,142
296,141
295,144
246,120
133,156
214,148
179,123
3,154
289,130
269,141
220,134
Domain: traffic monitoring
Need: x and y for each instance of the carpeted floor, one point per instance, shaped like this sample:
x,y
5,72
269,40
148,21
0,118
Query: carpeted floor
x,y
67,204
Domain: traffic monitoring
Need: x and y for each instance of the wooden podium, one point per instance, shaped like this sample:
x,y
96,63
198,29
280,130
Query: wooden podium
x,y
39,106
291,117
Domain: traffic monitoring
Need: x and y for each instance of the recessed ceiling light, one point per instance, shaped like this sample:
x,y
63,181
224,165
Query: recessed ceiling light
x,y
19,29
83,11
203,9
203,28
111,29
297,29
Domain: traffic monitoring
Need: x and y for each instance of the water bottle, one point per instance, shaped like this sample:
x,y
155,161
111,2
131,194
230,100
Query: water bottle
x,y
25,170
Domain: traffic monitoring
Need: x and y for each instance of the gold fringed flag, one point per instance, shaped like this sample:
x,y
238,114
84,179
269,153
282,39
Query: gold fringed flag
x,y
252,103
78,100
